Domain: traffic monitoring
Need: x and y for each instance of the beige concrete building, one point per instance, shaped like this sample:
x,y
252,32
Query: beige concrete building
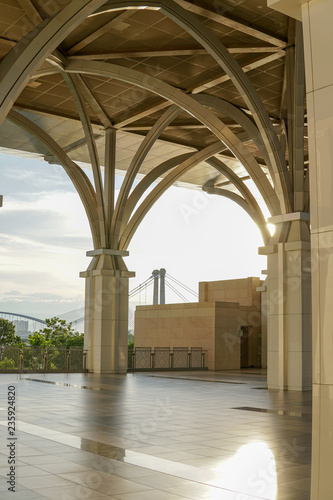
x,y
226,323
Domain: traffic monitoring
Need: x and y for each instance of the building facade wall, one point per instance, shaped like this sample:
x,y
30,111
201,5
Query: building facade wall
x,y
243,291
215,326
176,325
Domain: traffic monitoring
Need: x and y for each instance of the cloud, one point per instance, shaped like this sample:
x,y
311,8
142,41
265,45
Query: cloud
x,y
24,177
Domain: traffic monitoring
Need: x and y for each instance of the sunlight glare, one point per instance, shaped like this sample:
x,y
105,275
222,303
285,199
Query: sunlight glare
x,y
252,471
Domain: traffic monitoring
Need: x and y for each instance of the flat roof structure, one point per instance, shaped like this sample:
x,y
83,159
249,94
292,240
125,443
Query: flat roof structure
x,y
149,42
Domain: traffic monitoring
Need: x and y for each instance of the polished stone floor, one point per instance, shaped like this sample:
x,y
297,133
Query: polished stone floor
x,y
156,436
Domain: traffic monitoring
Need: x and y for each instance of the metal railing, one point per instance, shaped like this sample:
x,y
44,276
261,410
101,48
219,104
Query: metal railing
x,y
34,359
166,358
61,359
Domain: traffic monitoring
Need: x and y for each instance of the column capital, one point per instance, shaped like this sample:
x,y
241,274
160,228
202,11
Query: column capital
x,y
107,272
297,245
288,246
107,251
291,217
268,250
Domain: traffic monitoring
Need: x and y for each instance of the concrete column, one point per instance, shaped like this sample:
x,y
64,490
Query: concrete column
x,y
162,285
263,323
318,34
317,17
106,312
288,312
156,274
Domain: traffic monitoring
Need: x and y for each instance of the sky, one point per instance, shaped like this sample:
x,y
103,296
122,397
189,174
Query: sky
x,y
44,236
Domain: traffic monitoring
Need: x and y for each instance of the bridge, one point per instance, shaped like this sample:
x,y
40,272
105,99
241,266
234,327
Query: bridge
x,y
25,324
158,281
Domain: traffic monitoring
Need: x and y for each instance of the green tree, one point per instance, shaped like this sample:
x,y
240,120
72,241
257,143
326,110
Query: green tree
x,y
56,333
130,339
7,333
8,364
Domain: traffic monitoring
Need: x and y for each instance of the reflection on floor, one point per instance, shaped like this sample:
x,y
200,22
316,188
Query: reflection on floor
x,y
156,436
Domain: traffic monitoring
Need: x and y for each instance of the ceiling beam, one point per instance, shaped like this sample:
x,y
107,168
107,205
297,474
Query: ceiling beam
x,y
229,183
168,53
209,14
139,53
252,50
199,88
31,11
143,113
248,67
227,21
93,102
117,24
81,142
177,127
47,9
174,127
8,42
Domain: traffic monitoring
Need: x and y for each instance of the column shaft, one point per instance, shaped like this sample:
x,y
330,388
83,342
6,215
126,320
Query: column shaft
x,y
318,35
288,311
106,316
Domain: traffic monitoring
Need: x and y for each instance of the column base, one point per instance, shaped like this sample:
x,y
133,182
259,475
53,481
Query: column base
x,y
107,372
322,442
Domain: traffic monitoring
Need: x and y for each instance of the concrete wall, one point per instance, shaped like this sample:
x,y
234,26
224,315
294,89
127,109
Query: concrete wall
x,y
209,325
242,291
212,325
227,340
175,325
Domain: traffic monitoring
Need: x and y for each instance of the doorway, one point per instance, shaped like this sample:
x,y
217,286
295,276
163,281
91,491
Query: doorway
x,y
244,342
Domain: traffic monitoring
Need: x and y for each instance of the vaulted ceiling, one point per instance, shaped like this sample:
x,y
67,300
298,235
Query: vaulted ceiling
x,y
145,40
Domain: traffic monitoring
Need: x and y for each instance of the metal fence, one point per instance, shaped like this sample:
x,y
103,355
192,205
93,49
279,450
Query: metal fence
x,y
61,359
34,359
166,358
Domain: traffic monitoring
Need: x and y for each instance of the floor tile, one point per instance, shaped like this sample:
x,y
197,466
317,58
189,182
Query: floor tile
x,y
157,436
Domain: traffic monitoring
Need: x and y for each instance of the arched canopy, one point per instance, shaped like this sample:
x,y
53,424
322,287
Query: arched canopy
x,y
51,50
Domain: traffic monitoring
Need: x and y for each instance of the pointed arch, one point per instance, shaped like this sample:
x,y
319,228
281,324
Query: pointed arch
x,y
146,182
238,116
93,154
252,206
135,165
187,103
255,216
79,179
192,25
161,187
31,51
